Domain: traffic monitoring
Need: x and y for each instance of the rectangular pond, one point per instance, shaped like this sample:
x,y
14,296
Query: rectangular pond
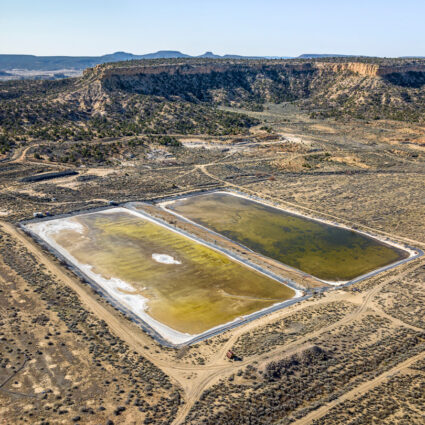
x,y
328,252
178,286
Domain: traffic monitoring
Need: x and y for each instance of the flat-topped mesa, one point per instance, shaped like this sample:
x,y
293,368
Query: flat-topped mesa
x,y
188,67
331,87
190,79
268,80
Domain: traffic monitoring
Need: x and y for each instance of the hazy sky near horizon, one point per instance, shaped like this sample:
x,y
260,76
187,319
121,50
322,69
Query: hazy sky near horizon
x,y
245,27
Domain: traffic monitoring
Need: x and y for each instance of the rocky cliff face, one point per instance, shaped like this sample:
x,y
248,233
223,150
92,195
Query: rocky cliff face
x,y
150,77
361,88
369,69
196,81
142,70
192,66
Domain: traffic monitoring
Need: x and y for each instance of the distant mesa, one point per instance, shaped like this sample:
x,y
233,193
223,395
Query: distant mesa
x,y
209,55
53,63
61,63
322,55
163,54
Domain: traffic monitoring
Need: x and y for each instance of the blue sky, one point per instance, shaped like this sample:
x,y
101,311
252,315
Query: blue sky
x,y
246,27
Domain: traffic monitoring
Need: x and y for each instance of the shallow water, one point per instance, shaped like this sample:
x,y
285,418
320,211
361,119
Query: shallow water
x,y
188,286
327,252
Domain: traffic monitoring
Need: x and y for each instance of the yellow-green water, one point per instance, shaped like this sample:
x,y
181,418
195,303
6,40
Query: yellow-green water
x,y
207,289
327,252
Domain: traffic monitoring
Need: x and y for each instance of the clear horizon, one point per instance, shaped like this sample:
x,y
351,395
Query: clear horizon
x,y
249,28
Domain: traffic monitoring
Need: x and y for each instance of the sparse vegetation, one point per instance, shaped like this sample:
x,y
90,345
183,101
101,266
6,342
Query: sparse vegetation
x,y
6,144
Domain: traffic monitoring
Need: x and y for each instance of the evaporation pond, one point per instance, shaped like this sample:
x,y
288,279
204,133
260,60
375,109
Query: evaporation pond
x,y
328,252
175,284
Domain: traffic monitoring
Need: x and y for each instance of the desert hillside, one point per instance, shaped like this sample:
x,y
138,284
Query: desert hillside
x,y
182,96
361,88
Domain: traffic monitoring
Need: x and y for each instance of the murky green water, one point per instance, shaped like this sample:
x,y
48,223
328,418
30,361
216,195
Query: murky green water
x,y
327,252
197,289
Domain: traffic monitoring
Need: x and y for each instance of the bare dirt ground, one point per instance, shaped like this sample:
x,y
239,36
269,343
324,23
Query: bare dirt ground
x,y
327,352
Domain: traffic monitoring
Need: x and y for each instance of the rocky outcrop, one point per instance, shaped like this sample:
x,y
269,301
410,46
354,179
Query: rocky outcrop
x,y
366,88
187,68
370,69
277,80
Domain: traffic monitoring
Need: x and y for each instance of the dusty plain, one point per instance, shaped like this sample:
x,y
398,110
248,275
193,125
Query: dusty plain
x,y
350,355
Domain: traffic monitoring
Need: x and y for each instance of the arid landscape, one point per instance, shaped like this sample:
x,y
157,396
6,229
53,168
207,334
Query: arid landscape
x,y
341,140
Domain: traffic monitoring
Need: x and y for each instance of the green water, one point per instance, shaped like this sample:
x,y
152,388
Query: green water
x,y
203,289
327,252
